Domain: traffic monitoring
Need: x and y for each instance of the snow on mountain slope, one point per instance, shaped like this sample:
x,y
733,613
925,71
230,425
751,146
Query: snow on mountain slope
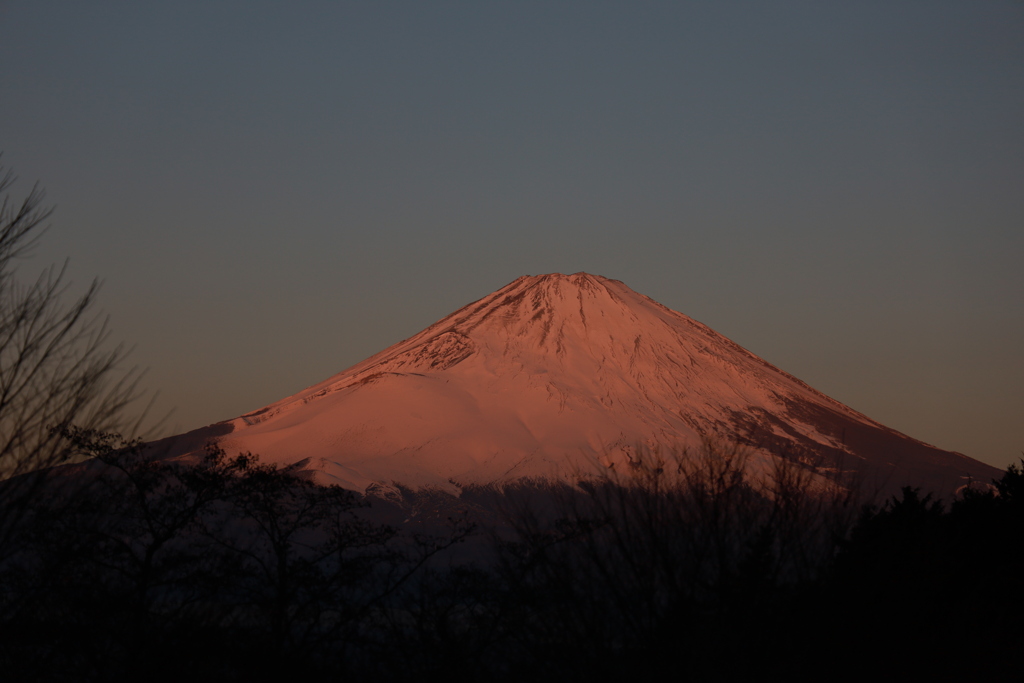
x,y
554,375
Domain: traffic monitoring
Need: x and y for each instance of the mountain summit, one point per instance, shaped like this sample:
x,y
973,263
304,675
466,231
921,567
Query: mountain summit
x,y
556,374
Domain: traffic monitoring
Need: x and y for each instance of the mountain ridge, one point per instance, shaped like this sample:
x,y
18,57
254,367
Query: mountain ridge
x,y
554,374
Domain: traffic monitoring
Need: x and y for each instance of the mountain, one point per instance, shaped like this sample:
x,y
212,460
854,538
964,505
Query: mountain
x,y
556,375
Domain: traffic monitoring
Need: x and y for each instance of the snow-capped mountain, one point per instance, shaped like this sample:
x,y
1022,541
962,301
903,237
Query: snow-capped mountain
x,y
557,375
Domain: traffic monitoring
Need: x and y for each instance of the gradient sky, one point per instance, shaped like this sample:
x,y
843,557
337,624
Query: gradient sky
x,y
273,191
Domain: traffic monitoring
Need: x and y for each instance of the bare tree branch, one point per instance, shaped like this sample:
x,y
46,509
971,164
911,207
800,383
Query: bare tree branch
x,y
58,366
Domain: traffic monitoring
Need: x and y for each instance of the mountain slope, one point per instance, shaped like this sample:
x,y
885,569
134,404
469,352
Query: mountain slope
x,y
555,375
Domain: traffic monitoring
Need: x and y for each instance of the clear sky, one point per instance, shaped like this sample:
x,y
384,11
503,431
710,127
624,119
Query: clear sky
x,y
273,191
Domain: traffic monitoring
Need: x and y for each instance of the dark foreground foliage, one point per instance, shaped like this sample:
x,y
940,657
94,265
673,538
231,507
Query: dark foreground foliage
x,y
217,569
683,567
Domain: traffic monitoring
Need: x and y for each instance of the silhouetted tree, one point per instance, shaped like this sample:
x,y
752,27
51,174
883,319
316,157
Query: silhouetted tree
x,y
202,563
57,367
114,545
941,581
306,560
685,555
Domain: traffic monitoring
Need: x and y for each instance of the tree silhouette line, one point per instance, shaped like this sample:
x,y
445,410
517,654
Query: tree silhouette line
x,y
132,567
225,568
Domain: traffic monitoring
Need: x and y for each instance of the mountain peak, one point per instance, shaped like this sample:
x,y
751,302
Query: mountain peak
x,y
559,282
580,279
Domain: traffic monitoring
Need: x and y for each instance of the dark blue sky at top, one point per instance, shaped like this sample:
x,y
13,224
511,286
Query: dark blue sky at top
x,y
272,191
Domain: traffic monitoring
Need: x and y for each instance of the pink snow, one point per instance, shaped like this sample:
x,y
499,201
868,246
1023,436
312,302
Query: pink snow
x,y
550,376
